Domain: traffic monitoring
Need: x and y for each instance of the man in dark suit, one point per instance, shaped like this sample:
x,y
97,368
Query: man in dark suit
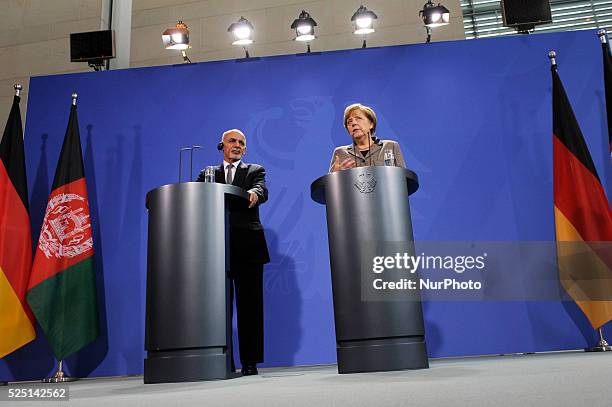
x,y
248,248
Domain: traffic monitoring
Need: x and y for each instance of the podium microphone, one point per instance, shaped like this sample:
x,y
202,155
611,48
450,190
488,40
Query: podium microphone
x,y
191,162
370,146
181,150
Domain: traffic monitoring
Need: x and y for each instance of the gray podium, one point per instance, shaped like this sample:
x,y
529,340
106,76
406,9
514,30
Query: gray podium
x,y
368,214
187,331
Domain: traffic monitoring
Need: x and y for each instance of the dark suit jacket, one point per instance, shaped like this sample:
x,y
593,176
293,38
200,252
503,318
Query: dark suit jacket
x,y
247,239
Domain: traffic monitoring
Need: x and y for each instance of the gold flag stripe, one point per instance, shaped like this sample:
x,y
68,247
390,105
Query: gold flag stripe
x,y
15,326
584,275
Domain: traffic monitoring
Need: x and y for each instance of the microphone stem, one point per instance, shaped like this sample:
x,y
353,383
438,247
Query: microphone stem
x,y
370,147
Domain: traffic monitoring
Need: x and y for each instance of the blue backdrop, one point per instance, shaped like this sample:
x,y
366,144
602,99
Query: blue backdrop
x,y
473,119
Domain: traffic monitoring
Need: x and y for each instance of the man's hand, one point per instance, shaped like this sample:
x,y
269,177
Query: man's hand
x,y
344,165
253,198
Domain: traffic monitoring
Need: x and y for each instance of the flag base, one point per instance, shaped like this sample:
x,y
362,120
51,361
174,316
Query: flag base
x,y
602,345
599,348
59,376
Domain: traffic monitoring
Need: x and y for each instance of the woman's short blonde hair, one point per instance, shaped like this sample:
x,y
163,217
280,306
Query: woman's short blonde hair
x,y
369,113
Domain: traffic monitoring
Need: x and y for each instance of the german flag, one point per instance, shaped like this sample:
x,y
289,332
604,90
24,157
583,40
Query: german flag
x,y
582,215
16,326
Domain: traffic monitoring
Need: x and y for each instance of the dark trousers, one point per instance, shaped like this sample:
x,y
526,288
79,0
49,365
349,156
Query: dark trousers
x,y
247,281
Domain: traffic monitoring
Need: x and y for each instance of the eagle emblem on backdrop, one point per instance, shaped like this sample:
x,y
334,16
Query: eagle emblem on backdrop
x,y
66,231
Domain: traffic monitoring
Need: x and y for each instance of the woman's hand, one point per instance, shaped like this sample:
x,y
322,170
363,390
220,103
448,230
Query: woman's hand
x,y
344,165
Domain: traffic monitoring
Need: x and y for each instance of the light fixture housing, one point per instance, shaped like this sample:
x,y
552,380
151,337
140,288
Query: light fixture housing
x,y
242,30
363,21
176,37
304,27
434,16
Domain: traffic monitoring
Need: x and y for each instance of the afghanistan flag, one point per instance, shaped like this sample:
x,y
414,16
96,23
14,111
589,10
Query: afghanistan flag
x,y
16,327
62,291
607,68
582,216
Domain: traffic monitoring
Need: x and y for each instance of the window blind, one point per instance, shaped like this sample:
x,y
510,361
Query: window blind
x,y
483,18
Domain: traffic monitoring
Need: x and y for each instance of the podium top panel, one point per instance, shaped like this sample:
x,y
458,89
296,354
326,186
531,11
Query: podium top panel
x,y
183,187
317,188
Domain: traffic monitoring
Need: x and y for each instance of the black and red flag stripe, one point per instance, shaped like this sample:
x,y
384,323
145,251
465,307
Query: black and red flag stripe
x,y
583,218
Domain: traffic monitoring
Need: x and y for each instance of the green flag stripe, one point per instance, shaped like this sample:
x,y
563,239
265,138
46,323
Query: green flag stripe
x,y
65,307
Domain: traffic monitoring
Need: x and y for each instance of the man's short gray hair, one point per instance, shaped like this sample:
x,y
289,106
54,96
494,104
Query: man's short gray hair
x,y
233,131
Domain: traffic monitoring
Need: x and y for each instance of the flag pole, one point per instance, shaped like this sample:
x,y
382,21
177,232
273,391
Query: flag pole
x,y
602,345
59,376
552,55
602,36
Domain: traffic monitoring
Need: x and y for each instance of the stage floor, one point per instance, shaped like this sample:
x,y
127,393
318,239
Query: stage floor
x,y
551,379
